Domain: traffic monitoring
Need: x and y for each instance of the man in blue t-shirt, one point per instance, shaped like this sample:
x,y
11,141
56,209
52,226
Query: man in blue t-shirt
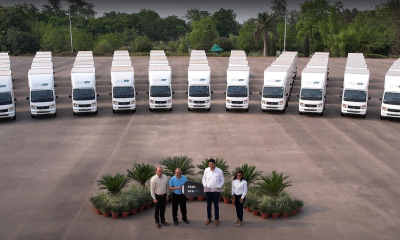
x,y
178,198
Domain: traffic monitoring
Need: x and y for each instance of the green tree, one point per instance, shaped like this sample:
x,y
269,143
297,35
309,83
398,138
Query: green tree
x,y
142,44
246,39
170,164
264,27
141,172
224,43
56,39
204,34
82,41
272,45
225,22
114,184
184,44
103,46
19,42
306,45
234,41
195,14
273,184
115,39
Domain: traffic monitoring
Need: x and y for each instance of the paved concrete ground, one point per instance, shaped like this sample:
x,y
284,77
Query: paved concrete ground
x,y
346,169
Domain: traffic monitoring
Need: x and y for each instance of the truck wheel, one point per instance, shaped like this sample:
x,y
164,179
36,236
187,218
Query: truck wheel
x,y
189,109
341,114
15,117
113,111
150,109
209,109
283,111
74,113
170,109
55,114
227,109
300,113
322,114
364,116
262,110
287,103
97,111
382,117
134,110
247,109
32,116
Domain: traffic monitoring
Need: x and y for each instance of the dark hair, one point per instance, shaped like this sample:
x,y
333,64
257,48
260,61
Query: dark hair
x,y
235,177
211,160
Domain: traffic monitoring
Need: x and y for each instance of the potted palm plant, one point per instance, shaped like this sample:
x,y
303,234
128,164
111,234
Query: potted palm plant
x,y
265,210
227,193
133,205
141,172
255,207
293,207
249,172
125,210
114,184
249,201
105,209
285,209
276,211
182,162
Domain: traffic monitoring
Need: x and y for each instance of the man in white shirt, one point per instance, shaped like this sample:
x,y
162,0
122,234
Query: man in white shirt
x,y
160,193
213,180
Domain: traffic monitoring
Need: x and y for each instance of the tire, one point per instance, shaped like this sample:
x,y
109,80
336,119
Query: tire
x,y
15,117
114,111
322,114
134,110
226,109
97,111
364,116
382,117
74,113
32,116
283,111
300,113
247,109
209,109
150,109
189,109
55,114
341,114
287,103
262,110
170,109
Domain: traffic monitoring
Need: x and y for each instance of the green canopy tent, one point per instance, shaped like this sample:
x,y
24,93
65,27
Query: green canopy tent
x,y
216,49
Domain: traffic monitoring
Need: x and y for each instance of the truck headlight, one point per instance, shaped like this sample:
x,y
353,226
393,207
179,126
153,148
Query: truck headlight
x,y
151,101
363,106
10,109
384,108
133,101
76,105
344,105
208,101
245,101
115,102
280,103
319,105
52,106
301,104
264,102
190,100
93,104
228,100
33,106
169,101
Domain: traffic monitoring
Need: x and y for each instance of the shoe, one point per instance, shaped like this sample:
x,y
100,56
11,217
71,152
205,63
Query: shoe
x,y
158,225
239,224
237,220
186,221
175,222
216,223
165,223
208,221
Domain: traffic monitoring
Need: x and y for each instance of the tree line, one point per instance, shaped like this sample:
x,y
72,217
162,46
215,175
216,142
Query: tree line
x,y
318,25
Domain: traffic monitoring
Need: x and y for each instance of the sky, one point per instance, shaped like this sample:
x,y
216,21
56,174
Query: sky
x,y
244,9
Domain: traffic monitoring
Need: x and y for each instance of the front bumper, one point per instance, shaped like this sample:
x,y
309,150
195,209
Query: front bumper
x,y
272,107
390,114
354,111
161,106
311,109
84,109
199,105
124,107
43,111
8,114
237,106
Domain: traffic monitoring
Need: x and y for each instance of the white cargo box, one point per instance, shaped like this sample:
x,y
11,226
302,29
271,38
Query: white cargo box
x,y
83,59
198,62
84,64
36,65
121,63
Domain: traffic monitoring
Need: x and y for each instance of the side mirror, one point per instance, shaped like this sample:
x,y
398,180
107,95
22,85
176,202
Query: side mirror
x,y
13,87
224,92
137,93
212,92
250,93
98,95
327,79
369,98
147,93
70,96
287,94
56,96
340,96
173,92
55,85
186,92
13,79
27,98
342,86
380,98
260,93
324,96
298,95
15,99
109,94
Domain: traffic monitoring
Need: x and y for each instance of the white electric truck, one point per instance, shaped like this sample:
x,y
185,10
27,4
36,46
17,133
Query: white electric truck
x,y
7,99
199,93
160,89
84,96
277,88
313,91
237,90
123,89
391,96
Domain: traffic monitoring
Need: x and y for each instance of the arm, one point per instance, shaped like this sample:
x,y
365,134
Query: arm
x,y
232,187
152,189
244,190
204,178
221,179
167,188
171,185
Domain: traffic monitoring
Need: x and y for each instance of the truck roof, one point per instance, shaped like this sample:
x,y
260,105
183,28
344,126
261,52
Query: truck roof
x,y
40,71
237,57
314,70
356,65
122,58
156,51
4,60
3,53
83,70
282,63
43,53
158,57
239,62
277,69
357,71
317,64
395,68
158,62
393,73
121,51
5,66
121,69
5,72
42,56
41,60
83,59
121,63
159,68
42,65
84,63
85,52
290,53
198,68
322,53
198,57
238,68
202,62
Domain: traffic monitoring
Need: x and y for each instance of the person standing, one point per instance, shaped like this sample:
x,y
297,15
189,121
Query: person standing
x,y
239,191
213,179
178,198
160,194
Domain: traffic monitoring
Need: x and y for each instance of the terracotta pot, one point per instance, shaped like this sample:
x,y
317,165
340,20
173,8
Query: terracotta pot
x,y
134,211
125,214
227,200
285,215
148,205
141,208
106,214
115,215
256,212
248,209
191,198
294,212
98,211
200,198
298,210
275,215
264,215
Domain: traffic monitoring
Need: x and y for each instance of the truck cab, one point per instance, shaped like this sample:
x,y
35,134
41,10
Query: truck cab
x,y
160,89
42,95
123,89
313,91
277,88
7,99
237,90
84,95
355,92
199,93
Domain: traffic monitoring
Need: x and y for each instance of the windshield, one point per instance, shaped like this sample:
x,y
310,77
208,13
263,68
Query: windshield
x,y
311,94
84,94
5,98
199,91
392,98
237,91
123,92
42,96
160,91
273,92
355,96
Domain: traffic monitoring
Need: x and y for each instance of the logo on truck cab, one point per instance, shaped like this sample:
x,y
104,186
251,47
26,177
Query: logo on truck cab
x,y
3,86
41,84
356,83
83,82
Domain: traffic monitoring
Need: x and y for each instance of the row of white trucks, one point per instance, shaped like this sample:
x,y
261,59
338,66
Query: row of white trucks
x,y
391,95
7,97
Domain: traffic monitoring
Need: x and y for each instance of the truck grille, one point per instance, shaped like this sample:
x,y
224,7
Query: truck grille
x,y
84,105
237,102
43,107
310,105
3,110
199,101
123,103
272,103
354,107
393,110
160,102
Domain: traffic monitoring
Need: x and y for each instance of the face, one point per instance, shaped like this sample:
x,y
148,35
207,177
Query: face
x,y
211,165
239,176
159,172
178,173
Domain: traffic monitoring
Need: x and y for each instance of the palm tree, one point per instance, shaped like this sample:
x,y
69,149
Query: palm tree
x,y
249,172
114,184
273,184
182,162
264,26
141,172
219,163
